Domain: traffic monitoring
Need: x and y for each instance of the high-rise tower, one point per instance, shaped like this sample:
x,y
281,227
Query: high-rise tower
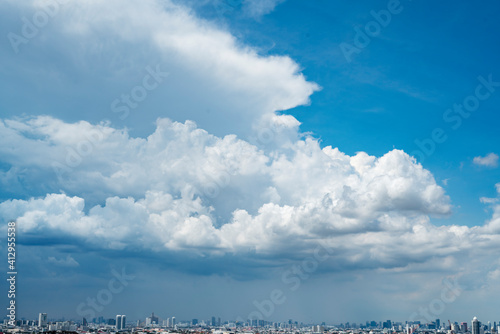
x,y
475,326
42,320
118,322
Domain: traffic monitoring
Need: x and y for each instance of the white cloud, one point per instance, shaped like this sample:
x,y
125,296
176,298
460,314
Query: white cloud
x,y
490,160
258,8
182,189
224,86
493,225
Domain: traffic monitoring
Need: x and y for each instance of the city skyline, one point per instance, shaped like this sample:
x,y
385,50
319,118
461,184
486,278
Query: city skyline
x,y
250,159
153,321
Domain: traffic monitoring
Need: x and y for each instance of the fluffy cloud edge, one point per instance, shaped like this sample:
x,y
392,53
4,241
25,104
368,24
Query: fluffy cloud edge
x,y
373,212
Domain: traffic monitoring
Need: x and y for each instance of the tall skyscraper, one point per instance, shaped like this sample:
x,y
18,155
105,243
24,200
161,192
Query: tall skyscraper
x,y
124,322
118,322
173,322
475,326
42,320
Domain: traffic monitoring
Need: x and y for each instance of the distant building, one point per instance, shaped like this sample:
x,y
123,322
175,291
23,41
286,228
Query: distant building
x,y
317,329
42,320
476,326
463,327
118,322
154,319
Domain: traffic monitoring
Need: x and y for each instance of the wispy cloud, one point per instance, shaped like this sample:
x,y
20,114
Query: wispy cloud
x,y
67,262
490,160
259,8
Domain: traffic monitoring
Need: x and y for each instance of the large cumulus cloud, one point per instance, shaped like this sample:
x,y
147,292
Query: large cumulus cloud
x,y
105,49
183,189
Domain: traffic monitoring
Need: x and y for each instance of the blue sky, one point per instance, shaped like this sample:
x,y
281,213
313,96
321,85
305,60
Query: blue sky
x,y
209,147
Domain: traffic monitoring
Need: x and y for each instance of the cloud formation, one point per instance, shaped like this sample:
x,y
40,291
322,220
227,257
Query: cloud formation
x,y
184,190
243,182
490,160
104,49
258,8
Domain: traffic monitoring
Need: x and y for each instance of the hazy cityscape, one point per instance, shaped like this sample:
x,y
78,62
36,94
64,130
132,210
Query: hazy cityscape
x,y
215,325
